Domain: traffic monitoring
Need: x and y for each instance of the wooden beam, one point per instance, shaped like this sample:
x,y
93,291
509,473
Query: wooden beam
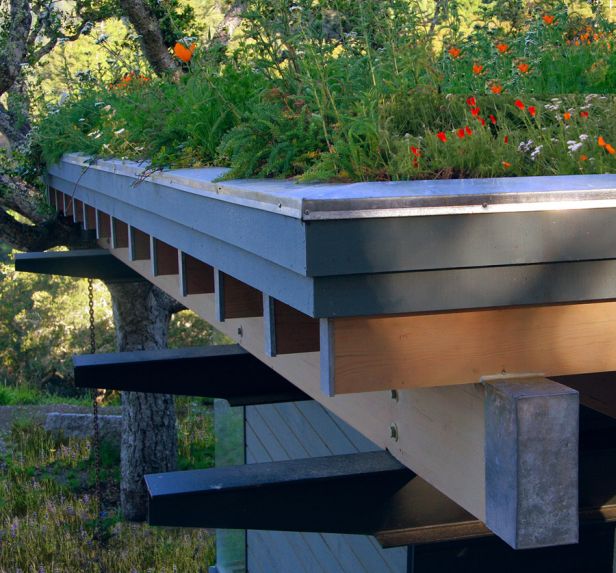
x,y
103,225
315,494
89,220
67,205
409,351
119,234
225,371
164,258
82,263
78,211
56,200
597,391
287,330
437,432
235,299
196,277
138,244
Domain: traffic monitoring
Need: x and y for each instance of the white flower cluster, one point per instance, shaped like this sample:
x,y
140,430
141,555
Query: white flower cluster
x,y
574,145
530,148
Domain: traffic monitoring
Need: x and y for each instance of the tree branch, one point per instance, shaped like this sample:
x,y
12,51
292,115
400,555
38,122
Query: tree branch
x,y
17,195
9,128
148,28
16,46
230,22
53,233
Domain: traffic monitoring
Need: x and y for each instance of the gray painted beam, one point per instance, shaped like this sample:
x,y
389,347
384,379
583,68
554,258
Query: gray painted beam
x,y
86,263
531,429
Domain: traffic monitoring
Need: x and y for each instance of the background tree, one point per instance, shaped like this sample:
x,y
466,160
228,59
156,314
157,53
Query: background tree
x,y
29,31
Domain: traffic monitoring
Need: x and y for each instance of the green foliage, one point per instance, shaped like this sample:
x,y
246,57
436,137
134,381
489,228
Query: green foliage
x,y
342,90
43,322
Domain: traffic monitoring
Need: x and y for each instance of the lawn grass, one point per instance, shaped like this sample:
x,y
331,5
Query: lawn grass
x,y
48,508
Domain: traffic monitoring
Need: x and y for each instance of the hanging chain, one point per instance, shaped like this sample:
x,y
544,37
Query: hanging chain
x,y
97,443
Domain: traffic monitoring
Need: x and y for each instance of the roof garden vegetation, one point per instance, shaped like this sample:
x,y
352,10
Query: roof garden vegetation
x,y
340,90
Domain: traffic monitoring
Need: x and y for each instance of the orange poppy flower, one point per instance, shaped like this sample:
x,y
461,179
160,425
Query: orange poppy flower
x,y
506,164
610,149
477,69
496,89
583,157
548,19
454,52
566,116
601,141
183,52
523,67
502,48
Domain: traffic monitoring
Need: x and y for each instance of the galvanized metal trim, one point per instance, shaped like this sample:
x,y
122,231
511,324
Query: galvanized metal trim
x,y
379,199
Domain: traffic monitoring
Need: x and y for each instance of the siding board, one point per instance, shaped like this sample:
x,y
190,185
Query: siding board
x,y
299,430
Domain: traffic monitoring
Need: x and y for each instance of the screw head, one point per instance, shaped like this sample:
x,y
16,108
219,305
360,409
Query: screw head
x,y
394,395
240,331
393,432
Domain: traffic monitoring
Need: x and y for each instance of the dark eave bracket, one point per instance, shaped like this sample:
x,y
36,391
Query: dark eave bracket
x,y
335,494
86,263
223,371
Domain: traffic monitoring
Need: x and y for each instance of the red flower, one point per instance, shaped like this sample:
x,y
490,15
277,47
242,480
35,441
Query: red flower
x,y
496,89
468,130
523,68
493,119
454,52
532,110
442,136
506,139
471,101
475,111
518,103
502,48
415,151
583,114
460,133
477,69
481,120
548,19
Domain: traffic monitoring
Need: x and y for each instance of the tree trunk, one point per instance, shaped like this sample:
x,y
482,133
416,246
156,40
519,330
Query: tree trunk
x,y
149,436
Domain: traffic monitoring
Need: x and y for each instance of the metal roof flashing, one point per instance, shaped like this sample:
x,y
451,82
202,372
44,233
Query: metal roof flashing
x,y
327,201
